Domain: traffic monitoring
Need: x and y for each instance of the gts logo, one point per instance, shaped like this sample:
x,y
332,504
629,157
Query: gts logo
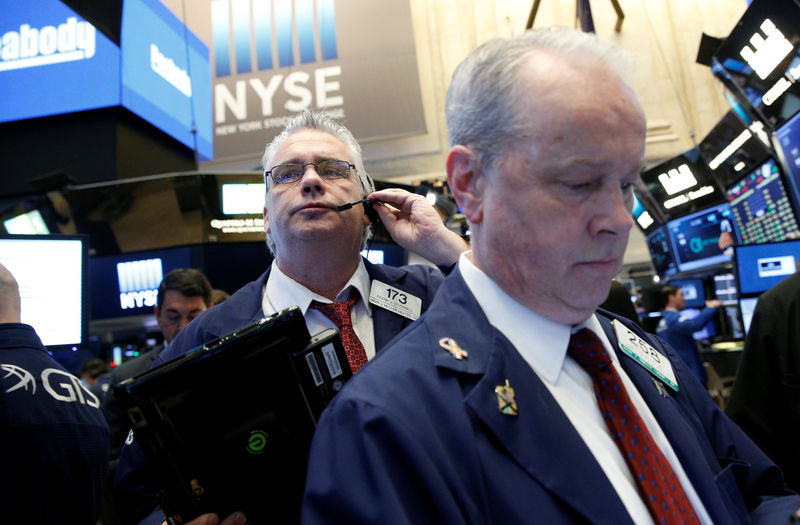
x,y
32,47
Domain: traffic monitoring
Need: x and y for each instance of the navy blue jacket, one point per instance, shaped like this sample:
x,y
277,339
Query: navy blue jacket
x,y
416,437
54,440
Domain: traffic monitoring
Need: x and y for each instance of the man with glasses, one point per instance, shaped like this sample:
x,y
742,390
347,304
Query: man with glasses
x,y
311,169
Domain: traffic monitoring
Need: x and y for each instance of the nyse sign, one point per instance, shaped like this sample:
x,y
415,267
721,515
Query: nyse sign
x,y
274,58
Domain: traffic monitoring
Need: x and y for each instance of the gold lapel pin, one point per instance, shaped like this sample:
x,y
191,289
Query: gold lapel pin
x,y
506,401
451,346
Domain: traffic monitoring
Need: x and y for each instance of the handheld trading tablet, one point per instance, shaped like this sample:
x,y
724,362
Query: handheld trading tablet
x,y
228,425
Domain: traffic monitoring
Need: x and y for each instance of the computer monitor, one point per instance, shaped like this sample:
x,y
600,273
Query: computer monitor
x,y
732,148
746,306
682,185
28,223
760,206
761,56
646,217
693,292
725,288
661,253
787,138
695,238
759,267
127,285
51,271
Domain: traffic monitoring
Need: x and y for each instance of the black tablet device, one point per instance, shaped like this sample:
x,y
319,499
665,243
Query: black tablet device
x,y
228,425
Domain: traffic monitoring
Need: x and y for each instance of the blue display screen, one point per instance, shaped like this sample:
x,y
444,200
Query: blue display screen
x,y
695,238
124,285
52,61
759,267
788,139
693,292
166,75
661,253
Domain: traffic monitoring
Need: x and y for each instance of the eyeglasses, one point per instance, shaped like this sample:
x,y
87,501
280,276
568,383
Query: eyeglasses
x,y
327,169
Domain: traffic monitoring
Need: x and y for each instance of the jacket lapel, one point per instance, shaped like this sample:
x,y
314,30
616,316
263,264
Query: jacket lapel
x,y
386,324
540,439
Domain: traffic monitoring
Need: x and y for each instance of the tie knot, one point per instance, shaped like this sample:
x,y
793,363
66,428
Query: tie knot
x,y
338,312
587,349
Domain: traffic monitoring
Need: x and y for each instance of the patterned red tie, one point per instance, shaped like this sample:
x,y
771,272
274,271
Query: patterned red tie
x,y
339,313
660,488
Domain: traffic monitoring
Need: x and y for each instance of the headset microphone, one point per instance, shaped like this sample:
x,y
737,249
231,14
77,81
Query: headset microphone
x,y
366,202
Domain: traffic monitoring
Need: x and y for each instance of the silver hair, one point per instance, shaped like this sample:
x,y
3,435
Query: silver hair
x,y
482,107
310,119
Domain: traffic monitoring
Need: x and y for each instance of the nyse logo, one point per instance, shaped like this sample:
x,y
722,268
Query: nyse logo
x,y
138,283
31,47
274,26
266,14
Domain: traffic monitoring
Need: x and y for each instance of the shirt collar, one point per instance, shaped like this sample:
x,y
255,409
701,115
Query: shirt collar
x,y
542,342
282,291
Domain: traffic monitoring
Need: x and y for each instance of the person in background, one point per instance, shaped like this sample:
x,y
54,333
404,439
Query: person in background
x,y
218,296
765,399
54,441
313,166
95,376
677,329
511,400
183,294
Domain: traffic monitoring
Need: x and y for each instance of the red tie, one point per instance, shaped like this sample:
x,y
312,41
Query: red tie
x,y
339,313
660,488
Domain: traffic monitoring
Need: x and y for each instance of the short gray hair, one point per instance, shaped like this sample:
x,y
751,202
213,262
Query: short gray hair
x,y
483,97
310,119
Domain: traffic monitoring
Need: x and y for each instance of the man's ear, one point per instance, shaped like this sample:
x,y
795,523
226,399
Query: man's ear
x,y
266,221
466,182
157,311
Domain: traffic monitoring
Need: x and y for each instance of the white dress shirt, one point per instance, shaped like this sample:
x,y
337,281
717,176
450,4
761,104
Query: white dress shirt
x,y
281,291
543,344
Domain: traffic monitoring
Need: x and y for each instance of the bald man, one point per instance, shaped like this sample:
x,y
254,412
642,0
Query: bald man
x,y
54,440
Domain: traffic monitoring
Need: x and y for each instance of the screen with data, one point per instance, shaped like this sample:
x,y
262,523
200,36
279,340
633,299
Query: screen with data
x,y
695,238
760,206
51,271
661,253
759,267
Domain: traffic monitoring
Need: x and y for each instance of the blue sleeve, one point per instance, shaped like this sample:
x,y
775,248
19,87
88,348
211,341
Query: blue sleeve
x,y
684,325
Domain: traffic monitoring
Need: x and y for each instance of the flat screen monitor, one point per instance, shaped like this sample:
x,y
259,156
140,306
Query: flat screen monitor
x,y
661,253
761,56
28,223
693,292
725,289
762,211
242,198
759,267
646,219
51,271
682,185
787,138
746,306
695,238
385,253
52,61
732,148
166,75
127,285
